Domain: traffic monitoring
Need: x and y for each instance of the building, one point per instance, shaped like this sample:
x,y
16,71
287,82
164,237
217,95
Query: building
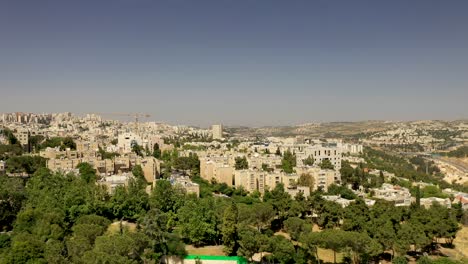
x,y
217,131
185,183
127,140
352,148
113,181
23,136
295,190
217,169
428,202
399,195
322,179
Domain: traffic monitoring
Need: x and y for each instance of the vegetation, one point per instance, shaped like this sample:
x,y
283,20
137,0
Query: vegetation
x,y
241,163
326,165
288,162
309,161
461,152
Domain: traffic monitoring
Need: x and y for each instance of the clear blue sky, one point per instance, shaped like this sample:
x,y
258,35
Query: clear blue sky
x,y
252,62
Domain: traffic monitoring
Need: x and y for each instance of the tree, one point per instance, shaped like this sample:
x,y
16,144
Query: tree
x,y
334,239
137,149
261,215
296,227
356,216
309,161
156,151
326,165
280,200
12,195
282,250
250,241
139,175
288,162
329,214
400,260
85,231
69,143
166,197
229,229
157,227
198,221
241,163
278,152
27,164
117,248
342,191
306,179
87,172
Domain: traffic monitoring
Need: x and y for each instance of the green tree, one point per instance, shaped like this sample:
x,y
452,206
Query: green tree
x,y
139,175
282,250
156,151
241,163
250,241
166,197
326,165
68,142
261,215
309,161
278,152
162,242
87,172
12,195
229,229
306,179
400,260
288,162
280,200
296,227
198,221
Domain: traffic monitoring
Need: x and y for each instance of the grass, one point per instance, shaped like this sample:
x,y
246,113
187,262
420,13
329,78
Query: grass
x,y
115,227
326,255
207,250
460,250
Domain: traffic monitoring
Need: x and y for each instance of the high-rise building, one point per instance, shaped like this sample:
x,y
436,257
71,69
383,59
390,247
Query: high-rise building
x,y
217,131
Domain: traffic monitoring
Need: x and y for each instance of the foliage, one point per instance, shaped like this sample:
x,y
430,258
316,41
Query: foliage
x,y
309,161
288,162
306,180
326,165
341,191
27,164
241,163
461,152
229,229
156,151
87,172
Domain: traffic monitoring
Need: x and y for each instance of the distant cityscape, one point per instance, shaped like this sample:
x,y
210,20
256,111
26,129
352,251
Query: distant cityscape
x,y
421,163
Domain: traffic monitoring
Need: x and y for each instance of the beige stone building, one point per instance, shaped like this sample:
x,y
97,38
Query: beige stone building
x,y
217,131
66,161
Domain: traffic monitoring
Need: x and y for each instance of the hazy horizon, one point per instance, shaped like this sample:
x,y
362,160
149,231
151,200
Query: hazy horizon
x,y
243,63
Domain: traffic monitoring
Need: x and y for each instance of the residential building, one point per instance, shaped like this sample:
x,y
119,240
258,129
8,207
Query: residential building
x,y
217,131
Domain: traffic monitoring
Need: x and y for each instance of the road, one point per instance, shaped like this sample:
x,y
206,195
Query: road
x,y
459,165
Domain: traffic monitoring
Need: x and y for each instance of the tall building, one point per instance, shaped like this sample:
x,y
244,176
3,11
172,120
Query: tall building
x,y
217,131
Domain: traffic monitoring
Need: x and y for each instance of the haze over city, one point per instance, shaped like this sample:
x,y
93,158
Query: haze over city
x,y
237,62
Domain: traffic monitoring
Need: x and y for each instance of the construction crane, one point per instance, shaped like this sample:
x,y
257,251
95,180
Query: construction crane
x,y
137,116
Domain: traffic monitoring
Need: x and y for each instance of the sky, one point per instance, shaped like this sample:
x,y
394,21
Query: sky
x,y
237,62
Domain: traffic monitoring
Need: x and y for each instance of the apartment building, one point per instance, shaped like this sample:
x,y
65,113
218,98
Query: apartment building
x,y
217,131
401,196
